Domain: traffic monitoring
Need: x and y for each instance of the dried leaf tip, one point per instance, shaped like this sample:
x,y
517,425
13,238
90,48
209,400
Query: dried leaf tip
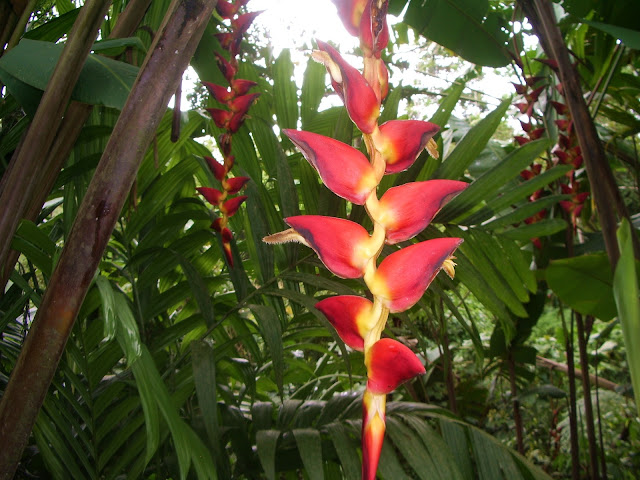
x,y
286,236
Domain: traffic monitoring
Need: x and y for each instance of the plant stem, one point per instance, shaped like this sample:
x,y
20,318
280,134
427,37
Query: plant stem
x,y
517,416
573,400
94,223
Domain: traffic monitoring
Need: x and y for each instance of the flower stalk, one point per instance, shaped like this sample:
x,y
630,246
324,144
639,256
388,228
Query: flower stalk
x,y
346,248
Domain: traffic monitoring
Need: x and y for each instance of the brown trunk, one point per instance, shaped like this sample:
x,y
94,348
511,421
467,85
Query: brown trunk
x,y
517,416
94,223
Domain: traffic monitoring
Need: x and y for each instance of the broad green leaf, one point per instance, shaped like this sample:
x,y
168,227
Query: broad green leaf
x,y
542,228
455,436
55,29
625,292
310,448
346,451
523,212
584,283
472,144
127,329
313,89
199,290
412,449
468,27
284,91
103,81
631,38
108,307
266,443
486,186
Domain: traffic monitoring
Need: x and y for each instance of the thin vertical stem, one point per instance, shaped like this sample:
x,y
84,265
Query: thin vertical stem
x,y
517,415
573,399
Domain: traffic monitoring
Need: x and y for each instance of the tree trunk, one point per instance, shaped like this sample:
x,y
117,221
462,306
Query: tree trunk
x,y
95,221
517,417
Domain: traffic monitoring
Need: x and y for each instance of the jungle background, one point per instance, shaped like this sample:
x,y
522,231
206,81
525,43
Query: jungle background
x,y
180,365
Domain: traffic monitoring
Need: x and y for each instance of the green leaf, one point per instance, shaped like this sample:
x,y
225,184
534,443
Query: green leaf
x,y
542,228
108,307
346,451
199,290
313,89
486,186
55,29
271,329
525,211
625,292
585,284
467,27
266,444
284,91
103,81
631,38
310,448
472,144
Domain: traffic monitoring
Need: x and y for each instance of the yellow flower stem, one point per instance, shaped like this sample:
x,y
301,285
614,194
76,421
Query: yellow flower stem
x,y
381,313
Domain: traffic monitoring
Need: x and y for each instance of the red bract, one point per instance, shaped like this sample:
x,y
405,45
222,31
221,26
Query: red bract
x,y
404,275
220,117
350,12
350,316
358,96
341,245
218,92
216,168
227,69
243,22
374,33
241,87
401,141
212,195
407,209
373,427
389,364
343,169
242,103
230,207
235,184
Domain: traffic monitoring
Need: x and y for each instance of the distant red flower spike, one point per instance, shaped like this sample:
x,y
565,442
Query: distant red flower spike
x,y
527,174
524,108
230,207
350,316
534,94
577,161
226,9
389,364
520,89
228,70
563,156
226,246
216,168
562,124
526,126
241,86
532,80
537,133
374,33
218,92
560,88
242,23
341,245
242,103
401,141
581,197
560,108
220,117
575,151
343,169
521,140
224,141
235,184
373,428
536,168
407,209
212,195
566,189
350,12
564,141
550,63
358,96
402,277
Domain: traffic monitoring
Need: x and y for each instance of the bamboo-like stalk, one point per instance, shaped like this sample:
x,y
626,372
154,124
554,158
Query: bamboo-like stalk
x,y
94,224
517,415
27,160
74,119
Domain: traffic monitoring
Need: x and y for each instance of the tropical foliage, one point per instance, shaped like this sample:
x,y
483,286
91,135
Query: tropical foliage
x,y
161,346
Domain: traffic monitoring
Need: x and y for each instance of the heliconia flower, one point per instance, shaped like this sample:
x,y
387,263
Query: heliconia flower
x,y
560,108
241,86
227,236
407,209
228,70
521,140
390,363
356,93
343,169
533,80
218,92
235,184
242,103
217,225
212,195
373,428
401,141
520,89
343,246
563,124
403,276
526,126
216,168
350,12
220,117
350,316
549,62
534,94
226,40
374,33
227,9
236,121
242,22
536,133
230,207
525,108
